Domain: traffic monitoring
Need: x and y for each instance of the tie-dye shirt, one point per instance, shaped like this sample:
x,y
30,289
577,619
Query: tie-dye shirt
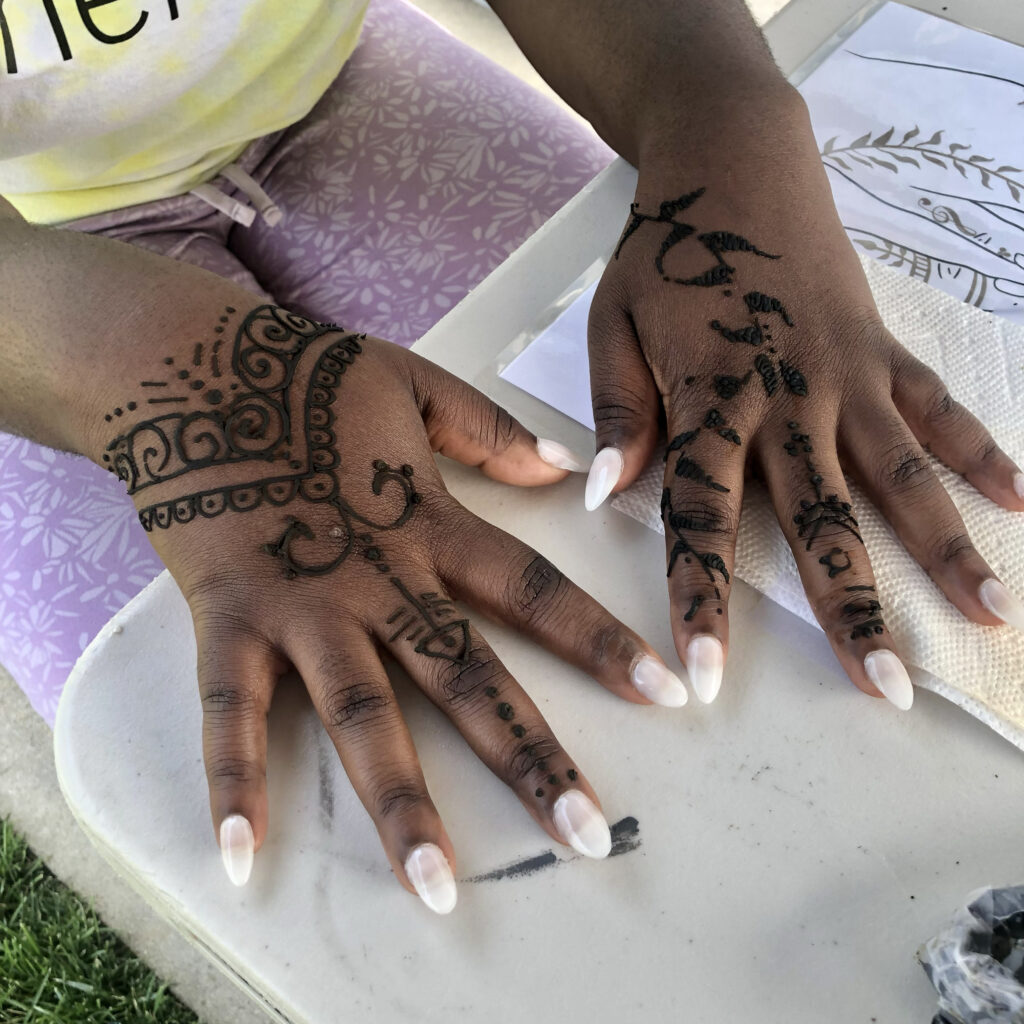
x,y
109,103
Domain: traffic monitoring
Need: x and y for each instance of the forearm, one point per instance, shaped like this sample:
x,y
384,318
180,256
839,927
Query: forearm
x,y
84,320
653,74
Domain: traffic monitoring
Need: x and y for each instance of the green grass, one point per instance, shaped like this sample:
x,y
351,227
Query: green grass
x,y
59,962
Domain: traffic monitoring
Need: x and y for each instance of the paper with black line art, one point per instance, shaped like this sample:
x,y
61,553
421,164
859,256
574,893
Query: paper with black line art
x,y
920,125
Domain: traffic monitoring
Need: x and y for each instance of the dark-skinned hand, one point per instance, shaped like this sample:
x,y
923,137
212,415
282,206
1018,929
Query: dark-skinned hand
x,y
285,470
735,311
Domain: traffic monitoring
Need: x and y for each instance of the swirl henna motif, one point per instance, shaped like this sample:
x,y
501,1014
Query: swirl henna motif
x,y
255,420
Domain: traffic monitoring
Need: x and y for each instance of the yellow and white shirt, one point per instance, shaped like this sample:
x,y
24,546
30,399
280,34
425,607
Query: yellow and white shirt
x,y
109,103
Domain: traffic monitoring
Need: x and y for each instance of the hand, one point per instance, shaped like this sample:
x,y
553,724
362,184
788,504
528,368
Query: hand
x,y
285,472
735,304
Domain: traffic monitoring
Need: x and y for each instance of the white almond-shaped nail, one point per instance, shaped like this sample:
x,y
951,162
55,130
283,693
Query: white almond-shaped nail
x,y
582,825
657,683
705,661
557,455
1001,603
886,671
1018,484
236,848
431,877
605,471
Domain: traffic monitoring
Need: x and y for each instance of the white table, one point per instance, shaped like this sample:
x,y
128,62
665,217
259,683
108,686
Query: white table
x,y
798,840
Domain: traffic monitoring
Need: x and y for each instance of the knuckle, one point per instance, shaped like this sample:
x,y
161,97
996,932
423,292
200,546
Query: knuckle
x,y
617,408
531,757
951,546
985,451
355,704
224,771
941,410
607,644
852,615
709,515
903,465
537,592
466,681
223,698
397,798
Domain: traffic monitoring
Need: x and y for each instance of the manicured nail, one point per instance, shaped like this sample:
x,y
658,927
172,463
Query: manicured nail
x,y
236,848
886,671
582,825
431,877
605,471
557,455
705,660
1001,603
657,683
1018,484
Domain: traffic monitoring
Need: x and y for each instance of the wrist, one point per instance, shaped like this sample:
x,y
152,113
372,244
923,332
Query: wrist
x,y
757,123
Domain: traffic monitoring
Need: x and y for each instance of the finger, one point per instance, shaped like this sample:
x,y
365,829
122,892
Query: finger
x,y
461,674
813,505
352,695
467,426
956,436
700,508
898,476
625,398
236,683
510,582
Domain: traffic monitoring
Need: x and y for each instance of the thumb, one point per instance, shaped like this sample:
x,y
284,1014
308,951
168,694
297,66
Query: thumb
x,y
626,401
467,426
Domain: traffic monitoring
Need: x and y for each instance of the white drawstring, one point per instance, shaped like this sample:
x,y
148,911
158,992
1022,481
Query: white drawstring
x,y
239,212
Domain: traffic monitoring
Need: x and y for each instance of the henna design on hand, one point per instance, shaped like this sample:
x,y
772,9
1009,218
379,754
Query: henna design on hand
x,y
265,424
766,369
716,242
759,303
742,335
727,387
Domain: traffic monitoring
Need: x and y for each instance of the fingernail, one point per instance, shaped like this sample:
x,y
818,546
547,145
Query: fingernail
x,y
557,455
1001,603
886,671
582,825
431,877
705,660
236,848
605,471
657,683
1018,484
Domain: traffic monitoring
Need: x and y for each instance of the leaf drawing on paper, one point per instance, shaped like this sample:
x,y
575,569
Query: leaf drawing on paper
x,y
881,151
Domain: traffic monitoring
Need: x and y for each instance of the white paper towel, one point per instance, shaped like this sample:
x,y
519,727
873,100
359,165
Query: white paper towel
x,y
981,359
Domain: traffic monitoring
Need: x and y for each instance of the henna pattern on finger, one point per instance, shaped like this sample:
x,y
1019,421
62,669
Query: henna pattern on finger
x,y
865,617
431,624
833,565
711,562
827,511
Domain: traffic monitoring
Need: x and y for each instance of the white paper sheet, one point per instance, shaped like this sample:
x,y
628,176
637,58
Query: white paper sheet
x,y
926,165
555,367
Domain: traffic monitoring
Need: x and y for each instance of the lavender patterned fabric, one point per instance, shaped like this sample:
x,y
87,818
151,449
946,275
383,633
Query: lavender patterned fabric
x,y
420,169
